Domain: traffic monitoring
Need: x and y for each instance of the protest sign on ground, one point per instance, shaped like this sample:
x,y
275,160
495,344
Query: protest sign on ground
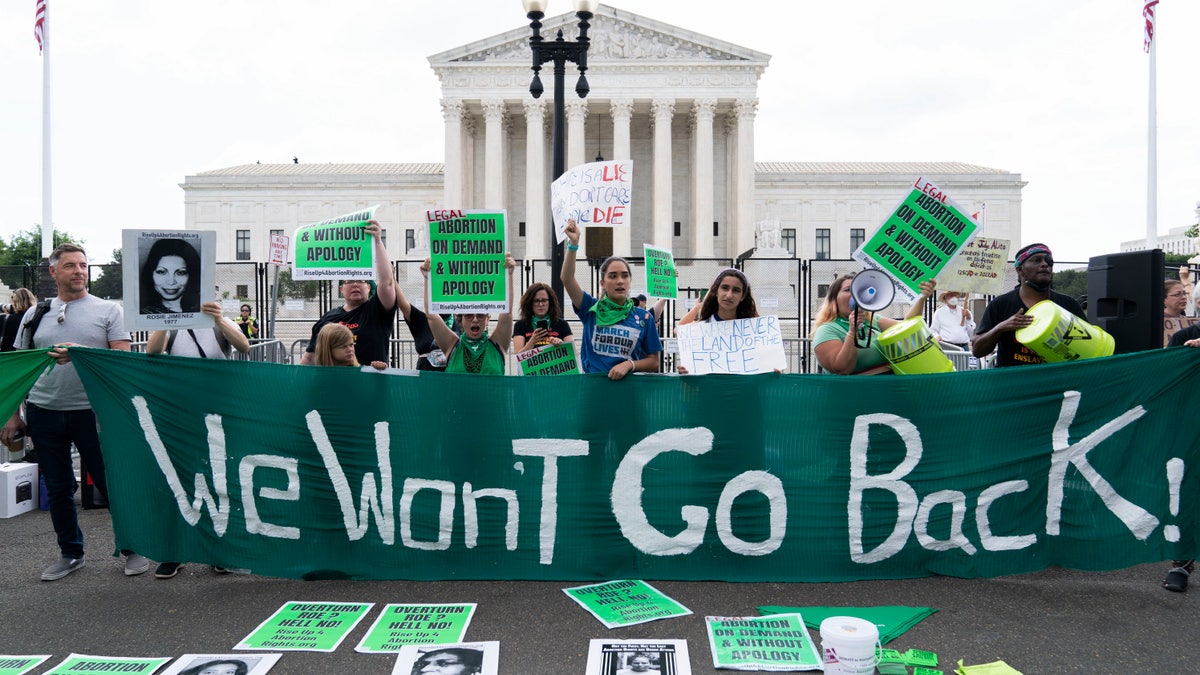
x,y
466,261
163,277
11,664
412,624
625,603
595,194
86,663
660,273
774,643
635,657
306,626
739,346
337,248
253,664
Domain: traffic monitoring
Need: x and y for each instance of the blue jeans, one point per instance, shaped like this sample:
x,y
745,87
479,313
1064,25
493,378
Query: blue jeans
x,y
53,432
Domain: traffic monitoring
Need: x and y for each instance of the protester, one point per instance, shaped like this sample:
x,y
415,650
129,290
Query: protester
x,y
205,344
57,410
335,347
618,338
170,278
246,323
836,335
369,317
1006,313
541,321
657,309
10,318
1175,302
728,297
449,661
480,353
952,323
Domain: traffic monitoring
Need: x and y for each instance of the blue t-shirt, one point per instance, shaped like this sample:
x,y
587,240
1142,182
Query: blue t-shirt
x,y
605,346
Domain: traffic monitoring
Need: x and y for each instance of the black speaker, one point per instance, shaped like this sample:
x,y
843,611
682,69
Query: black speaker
x,y
1125,298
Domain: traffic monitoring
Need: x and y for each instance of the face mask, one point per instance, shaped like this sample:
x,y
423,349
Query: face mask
x,y
952,302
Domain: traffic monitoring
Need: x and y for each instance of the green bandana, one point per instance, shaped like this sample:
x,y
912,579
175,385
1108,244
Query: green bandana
x,y
609,313
473,357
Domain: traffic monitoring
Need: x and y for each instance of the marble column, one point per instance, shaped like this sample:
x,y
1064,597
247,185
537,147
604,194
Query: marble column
x,y
621,110
576,110
702,178
452,175
537,236
493,154
661,111
743,238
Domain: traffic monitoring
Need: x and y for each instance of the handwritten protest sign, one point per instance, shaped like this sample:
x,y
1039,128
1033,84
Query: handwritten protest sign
x,y
307,626
549,360
979,267
740,346
596,194
400,625
337,248
84,663
625,602
773,643
660,272
163,277
466,253
919,239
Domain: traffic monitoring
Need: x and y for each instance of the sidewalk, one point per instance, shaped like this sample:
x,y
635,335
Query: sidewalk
x,y
1055,621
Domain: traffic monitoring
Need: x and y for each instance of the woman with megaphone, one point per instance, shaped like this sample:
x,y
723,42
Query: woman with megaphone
x,y
842,339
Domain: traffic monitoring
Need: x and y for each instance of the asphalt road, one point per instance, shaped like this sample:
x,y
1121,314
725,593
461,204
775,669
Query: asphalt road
x,y
1054,621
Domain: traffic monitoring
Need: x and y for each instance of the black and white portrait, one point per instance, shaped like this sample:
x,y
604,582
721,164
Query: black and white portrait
x,y
222,664
165,274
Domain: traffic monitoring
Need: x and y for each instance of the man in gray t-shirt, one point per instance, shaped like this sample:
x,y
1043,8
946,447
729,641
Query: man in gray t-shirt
x,y
57,411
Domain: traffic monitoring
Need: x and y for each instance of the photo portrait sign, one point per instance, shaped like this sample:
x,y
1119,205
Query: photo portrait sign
x,y
477,658
165,276
919,239
607,656
660,273
254,664
593,195
740,346
337,248
466,261
979,268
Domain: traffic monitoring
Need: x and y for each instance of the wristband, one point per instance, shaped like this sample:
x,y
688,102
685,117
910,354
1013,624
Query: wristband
x,y
572,247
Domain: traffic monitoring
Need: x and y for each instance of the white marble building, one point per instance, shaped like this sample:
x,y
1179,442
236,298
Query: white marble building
x,y
681,105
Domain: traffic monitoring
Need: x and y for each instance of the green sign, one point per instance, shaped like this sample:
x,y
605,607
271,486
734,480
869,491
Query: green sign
x,y
625,603
919,239
466,254
338,248
753,478
83,663
556,359
19,665
400,625
306,626
660,273
776,642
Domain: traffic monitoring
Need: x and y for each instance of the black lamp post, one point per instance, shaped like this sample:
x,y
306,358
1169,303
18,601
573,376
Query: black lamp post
x,y
559,51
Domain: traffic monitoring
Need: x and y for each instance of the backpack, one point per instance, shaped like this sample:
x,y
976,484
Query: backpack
x,y
34,321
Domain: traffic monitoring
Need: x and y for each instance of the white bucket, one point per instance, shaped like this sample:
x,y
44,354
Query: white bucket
x,y
848,645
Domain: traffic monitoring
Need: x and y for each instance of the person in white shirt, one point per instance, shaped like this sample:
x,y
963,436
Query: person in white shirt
x,y
952,322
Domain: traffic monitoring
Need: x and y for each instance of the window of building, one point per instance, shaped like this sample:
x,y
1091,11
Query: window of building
x,y
410,240
678,228
822,248
822,291
383,237
787,237
276,233
521,229
857,236
716,229
243,244
243,291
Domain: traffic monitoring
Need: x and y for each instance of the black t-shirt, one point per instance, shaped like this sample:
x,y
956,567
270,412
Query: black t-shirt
x,y
371,325
558,328
423,340
1009,352
1189,333
9,324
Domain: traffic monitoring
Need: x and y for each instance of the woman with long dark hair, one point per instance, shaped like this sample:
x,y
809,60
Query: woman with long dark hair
x,y
170,278
541,321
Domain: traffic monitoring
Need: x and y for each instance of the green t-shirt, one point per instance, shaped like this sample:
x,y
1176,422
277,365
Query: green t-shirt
x,y
493,359
870,357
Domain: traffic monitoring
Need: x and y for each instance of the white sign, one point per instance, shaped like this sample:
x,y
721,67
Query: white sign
x,y
279,249
740,346
593,195
164,277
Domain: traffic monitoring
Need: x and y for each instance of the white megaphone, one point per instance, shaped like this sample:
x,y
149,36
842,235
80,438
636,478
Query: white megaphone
x,y
871,290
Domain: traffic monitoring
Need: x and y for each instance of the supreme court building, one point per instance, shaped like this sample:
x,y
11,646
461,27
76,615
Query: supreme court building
x,y
681,105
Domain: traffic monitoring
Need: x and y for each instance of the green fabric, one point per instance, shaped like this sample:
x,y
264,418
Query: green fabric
x,y
609,313
892,621
18,372
741,478
868,357
475,357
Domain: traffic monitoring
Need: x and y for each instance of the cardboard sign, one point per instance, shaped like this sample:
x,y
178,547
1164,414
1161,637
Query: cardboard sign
x,y
740,346
596,194
918,240
979,268
466,257
337,248
164,274
660,273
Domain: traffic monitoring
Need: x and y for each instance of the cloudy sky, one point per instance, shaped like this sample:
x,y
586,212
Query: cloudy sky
x,y
147,92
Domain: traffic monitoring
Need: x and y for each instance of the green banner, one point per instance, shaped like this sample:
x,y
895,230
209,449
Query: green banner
x,y
773,643
556,359
466,254
338,248
306,626
660,273
19,371
919,239
750,478
400,625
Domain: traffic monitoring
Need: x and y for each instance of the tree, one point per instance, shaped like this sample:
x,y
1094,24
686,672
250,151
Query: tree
x,y
289,288
1193,231
108,285
1071,282
24,249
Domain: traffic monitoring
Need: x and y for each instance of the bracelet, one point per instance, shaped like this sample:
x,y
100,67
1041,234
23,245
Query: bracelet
x,y
634,364
572,247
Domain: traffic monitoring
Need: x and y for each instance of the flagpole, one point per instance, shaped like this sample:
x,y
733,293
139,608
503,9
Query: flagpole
x,y
47,216
1152,146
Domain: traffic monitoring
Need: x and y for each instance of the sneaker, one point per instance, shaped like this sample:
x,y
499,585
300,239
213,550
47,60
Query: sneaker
x,y
219,570
135,565
1177,578
167,570
61,568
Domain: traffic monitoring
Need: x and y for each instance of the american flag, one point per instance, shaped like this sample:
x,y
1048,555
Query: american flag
x,y
39,23
1148,13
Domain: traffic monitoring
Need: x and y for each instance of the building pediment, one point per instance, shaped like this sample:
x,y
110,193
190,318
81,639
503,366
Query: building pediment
x,y
616,35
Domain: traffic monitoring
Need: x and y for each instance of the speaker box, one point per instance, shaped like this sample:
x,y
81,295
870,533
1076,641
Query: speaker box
x,y
1125,298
